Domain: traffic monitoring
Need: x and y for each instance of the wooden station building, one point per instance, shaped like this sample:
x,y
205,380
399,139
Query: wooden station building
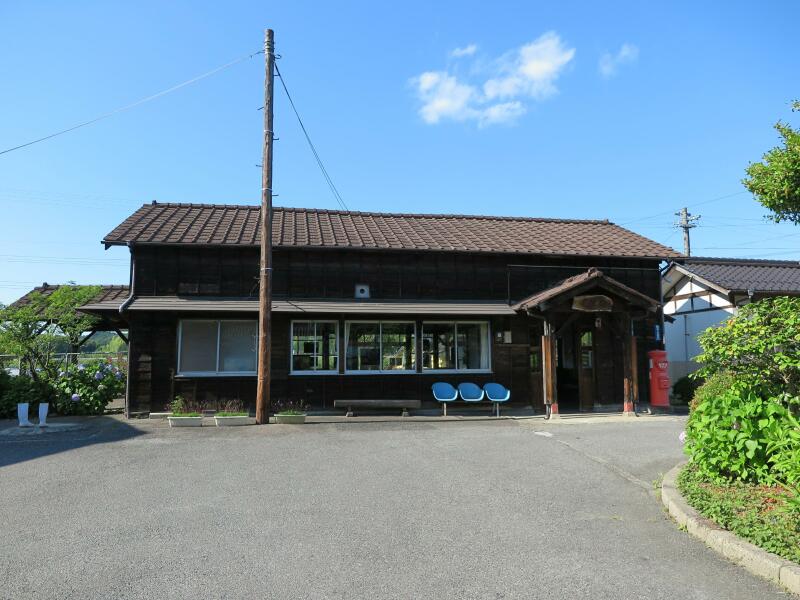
x,y
380,305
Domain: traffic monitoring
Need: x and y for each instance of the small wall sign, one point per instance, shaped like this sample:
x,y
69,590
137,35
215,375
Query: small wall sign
x,y
592,303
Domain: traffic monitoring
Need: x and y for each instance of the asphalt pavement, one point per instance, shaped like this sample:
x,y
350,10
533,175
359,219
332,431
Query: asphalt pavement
x,y
404,509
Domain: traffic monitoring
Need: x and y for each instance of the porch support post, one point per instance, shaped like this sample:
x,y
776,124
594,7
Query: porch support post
x,y
630,385
549,369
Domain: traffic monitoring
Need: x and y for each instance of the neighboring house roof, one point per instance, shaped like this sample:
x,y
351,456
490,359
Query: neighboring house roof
x,y
745,275
238,225
109,294
577,284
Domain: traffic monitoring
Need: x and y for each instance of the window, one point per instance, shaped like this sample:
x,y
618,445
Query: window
x,y
380,347
459,346
315,346
208,348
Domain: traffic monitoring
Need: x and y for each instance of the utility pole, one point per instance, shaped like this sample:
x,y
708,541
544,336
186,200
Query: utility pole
x,y
687,221
265,271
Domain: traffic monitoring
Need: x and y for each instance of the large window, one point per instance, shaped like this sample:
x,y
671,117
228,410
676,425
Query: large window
x,y
455,346
380,346
208,348
315,346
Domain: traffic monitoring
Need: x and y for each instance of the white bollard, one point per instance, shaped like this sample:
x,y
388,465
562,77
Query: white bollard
x,y
22,415
43,407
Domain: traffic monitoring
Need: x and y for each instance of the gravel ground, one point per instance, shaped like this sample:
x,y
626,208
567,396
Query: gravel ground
x,y
469,509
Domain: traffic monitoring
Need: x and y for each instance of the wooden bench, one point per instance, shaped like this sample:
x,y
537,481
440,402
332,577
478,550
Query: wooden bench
x,y
351,404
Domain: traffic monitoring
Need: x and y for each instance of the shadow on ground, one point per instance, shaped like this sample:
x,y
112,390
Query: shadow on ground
x,y
18,444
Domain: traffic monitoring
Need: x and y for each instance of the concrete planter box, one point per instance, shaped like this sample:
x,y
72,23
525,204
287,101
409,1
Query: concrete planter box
x,y
290,419
233,421
185,421
160,415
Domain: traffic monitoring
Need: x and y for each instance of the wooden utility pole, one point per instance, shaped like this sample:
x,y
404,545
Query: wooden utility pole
x,y
687,222
265,271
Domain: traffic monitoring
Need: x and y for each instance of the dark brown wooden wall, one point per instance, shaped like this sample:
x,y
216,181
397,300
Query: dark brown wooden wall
x,y
153,383
172,270
165,271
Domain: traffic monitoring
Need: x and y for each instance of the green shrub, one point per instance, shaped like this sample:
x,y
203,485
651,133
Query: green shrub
x,y
683,390
760,345
739,435
716,384
759,513
20,389
7,411
87,389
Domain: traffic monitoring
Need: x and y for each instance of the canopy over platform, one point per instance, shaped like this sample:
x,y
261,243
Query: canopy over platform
x,y
318,305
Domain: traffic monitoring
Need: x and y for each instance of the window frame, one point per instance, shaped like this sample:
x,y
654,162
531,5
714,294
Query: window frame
x,y
292,370
380,371
216,372
455,324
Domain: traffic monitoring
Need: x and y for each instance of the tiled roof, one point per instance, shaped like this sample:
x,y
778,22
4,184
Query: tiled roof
x,y
224,225
741,275
581,282
109,294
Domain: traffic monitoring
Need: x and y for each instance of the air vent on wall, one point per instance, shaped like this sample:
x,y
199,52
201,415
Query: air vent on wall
x,y
362,290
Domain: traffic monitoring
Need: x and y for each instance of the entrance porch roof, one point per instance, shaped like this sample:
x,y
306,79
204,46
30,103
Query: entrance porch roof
x,y
585,282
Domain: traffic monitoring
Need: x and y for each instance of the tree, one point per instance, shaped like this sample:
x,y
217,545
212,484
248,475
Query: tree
x,y
61,308
25,333
775,182
31,331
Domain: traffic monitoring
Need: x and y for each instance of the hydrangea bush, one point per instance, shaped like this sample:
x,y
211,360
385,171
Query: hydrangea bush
x,y
87,389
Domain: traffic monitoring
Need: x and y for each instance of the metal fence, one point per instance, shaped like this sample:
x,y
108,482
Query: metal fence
x,y
12,364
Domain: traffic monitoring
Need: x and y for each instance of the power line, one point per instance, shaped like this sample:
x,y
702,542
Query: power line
x,y
669,212
134,104
322,168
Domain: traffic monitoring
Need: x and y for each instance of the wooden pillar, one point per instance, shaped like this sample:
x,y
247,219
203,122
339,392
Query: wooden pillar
x,y
549,369
629,368
634,373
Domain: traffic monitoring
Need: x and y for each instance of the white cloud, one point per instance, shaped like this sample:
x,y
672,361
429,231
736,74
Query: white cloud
x,y
532,70
610,63
444,97
465,51
527,72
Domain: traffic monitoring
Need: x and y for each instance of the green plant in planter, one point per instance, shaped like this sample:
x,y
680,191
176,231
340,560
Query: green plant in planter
x,y
287,408
233,408
181,408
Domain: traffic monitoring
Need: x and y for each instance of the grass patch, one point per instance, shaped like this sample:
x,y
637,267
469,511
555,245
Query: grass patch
x,y
187,414
758,513
290,413
226,413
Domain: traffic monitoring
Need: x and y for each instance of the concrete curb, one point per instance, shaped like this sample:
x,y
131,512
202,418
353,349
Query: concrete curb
x,y
759,562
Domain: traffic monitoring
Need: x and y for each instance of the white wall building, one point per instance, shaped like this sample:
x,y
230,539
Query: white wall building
x,y
702,292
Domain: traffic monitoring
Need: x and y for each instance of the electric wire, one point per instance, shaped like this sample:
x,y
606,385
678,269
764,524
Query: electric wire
x,y
669,212
135,104
337,196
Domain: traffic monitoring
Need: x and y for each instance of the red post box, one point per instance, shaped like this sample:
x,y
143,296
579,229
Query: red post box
x,y
659,378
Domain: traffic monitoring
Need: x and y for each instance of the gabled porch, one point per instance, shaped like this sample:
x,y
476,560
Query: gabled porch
x,y
589,357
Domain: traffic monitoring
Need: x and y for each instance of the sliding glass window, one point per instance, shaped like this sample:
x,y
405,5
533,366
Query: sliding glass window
x,y
380,347
217,348
456,346
315,346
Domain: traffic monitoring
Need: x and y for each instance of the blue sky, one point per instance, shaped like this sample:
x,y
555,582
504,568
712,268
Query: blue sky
x,y
623,110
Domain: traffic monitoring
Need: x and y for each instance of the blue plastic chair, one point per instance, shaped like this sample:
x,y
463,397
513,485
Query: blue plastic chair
x,y
496,394
444,393
470,392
